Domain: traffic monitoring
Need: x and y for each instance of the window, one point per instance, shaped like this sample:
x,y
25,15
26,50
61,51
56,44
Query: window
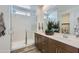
x,y
16,10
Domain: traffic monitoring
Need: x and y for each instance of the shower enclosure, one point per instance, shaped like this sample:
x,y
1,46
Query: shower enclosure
x,y
23,27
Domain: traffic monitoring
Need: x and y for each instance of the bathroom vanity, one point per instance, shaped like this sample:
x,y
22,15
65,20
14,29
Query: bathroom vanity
x,y
56,43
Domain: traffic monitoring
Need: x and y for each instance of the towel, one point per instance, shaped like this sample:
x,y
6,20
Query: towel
x,y
2,27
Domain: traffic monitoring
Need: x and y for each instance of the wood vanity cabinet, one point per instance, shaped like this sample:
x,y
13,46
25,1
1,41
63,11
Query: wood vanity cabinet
x,y
48,45
41,43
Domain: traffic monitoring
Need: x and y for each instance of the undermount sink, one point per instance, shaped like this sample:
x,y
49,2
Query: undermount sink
x,y
65,36
69,37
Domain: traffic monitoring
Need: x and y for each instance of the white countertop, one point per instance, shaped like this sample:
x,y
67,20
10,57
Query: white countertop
x,y
72,40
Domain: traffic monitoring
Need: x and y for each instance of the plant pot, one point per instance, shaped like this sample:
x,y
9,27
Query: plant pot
x,y
49,32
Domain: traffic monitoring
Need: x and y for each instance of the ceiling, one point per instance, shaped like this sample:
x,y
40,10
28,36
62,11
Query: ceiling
x,y
46,8
26,9
32,8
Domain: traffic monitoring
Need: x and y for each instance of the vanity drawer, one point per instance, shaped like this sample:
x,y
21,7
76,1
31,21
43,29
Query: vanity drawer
x,y
70,49
67,48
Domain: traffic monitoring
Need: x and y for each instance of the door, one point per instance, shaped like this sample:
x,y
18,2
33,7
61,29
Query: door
x,y
18,30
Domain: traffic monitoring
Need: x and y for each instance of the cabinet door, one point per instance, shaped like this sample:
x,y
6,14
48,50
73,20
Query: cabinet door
x,y
38,41
59,49
35,39
70,49
51,46
44,44
64,48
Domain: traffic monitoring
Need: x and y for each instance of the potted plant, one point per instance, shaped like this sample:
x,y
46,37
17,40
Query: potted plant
x,y
49,30
56,27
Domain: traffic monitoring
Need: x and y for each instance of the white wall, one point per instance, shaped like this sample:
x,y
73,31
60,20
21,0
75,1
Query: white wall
x,y
40,19
5,40
74,13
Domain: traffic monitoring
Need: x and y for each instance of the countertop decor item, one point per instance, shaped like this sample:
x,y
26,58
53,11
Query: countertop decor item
x,y
49,30
56,27
77,28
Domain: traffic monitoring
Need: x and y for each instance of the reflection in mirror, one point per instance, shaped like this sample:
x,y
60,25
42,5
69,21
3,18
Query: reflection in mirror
x,y
66,15
76,29
52,17
65,24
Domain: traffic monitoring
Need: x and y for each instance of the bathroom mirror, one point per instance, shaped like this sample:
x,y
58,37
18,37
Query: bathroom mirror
x,y
52,17
67,15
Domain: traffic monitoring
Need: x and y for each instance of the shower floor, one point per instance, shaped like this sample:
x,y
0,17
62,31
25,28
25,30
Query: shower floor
x,y
21,44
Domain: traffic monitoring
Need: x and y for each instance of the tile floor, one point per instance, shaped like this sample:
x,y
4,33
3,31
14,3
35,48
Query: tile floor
x,y
28,49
